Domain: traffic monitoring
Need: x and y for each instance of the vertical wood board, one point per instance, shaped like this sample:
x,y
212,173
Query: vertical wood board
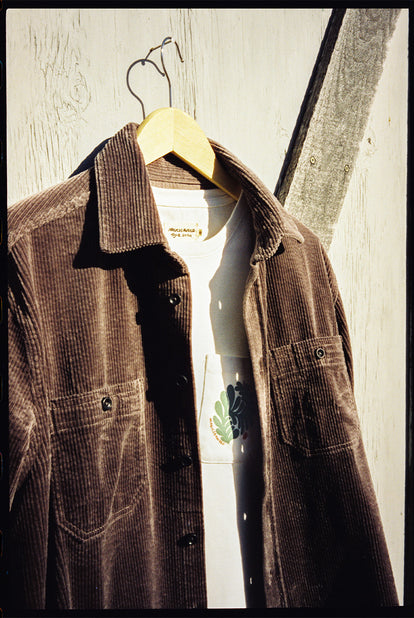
x,y
368,252
67,81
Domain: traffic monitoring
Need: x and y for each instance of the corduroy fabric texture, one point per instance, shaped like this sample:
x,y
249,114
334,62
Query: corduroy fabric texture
x,y
106,506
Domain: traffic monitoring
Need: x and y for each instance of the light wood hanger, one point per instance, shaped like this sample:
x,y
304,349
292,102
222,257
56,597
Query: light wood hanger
x,y
170,130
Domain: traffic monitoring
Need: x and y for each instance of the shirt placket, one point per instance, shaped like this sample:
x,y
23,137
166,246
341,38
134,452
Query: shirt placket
x,y
180,468
254,310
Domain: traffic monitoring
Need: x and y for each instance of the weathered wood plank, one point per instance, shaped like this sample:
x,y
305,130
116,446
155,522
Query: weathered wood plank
x,y
247,77
368,252
309,102
242,90
53,96
318,178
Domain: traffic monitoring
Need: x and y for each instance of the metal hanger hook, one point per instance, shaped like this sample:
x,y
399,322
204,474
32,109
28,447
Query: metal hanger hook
x,y
141,61
167,40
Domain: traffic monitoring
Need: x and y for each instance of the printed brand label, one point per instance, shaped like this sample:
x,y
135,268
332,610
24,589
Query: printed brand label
x,y
185,231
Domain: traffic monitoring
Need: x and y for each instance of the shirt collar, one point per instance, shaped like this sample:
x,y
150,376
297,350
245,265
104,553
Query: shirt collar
x,y
128,215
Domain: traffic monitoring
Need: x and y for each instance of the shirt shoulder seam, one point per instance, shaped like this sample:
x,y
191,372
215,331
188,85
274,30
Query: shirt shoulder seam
x,y
52,214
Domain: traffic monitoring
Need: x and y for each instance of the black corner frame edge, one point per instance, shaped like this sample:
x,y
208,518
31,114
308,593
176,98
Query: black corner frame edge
x,y
3,321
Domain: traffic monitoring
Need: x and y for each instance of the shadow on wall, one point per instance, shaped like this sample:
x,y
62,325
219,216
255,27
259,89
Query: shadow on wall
x,y
89,159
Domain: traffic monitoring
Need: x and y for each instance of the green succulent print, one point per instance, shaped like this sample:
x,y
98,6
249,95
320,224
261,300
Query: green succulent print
x,y
232,412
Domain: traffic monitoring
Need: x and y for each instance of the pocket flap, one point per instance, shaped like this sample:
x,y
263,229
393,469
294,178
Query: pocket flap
x,y
312,394
77,410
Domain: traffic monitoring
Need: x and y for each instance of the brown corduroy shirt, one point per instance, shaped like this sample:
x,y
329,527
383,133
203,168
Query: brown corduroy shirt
x,y
105,480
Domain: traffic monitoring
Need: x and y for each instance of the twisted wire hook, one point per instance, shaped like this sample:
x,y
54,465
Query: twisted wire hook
x,y
167,40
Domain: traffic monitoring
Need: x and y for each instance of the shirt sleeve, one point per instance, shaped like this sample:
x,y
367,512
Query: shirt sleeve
x,y
22,418
29,449
341,320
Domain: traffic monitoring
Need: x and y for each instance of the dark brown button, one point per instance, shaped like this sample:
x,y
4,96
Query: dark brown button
x,y
319,353
186,460
174,299
177,463
187,540
106,404
181,381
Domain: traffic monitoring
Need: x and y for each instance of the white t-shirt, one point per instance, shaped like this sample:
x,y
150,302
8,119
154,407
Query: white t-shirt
x,y
213,236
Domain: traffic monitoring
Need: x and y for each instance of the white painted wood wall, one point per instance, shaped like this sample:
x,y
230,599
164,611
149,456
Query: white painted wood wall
x,y
244,78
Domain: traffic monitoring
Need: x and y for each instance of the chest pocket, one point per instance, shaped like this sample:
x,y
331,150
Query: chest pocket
x,y
98,456
313,397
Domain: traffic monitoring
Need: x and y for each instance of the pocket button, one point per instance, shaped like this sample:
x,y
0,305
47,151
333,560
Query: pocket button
x,y
174,299
319,353
106,404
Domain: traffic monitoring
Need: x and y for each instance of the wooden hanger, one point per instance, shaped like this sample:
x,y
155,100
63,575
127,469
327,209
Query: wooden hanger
x,y
170,130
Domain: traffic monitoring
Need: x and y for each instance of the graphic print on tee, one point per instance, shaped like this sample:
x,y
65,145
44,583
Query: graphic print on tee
x,y
233,412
